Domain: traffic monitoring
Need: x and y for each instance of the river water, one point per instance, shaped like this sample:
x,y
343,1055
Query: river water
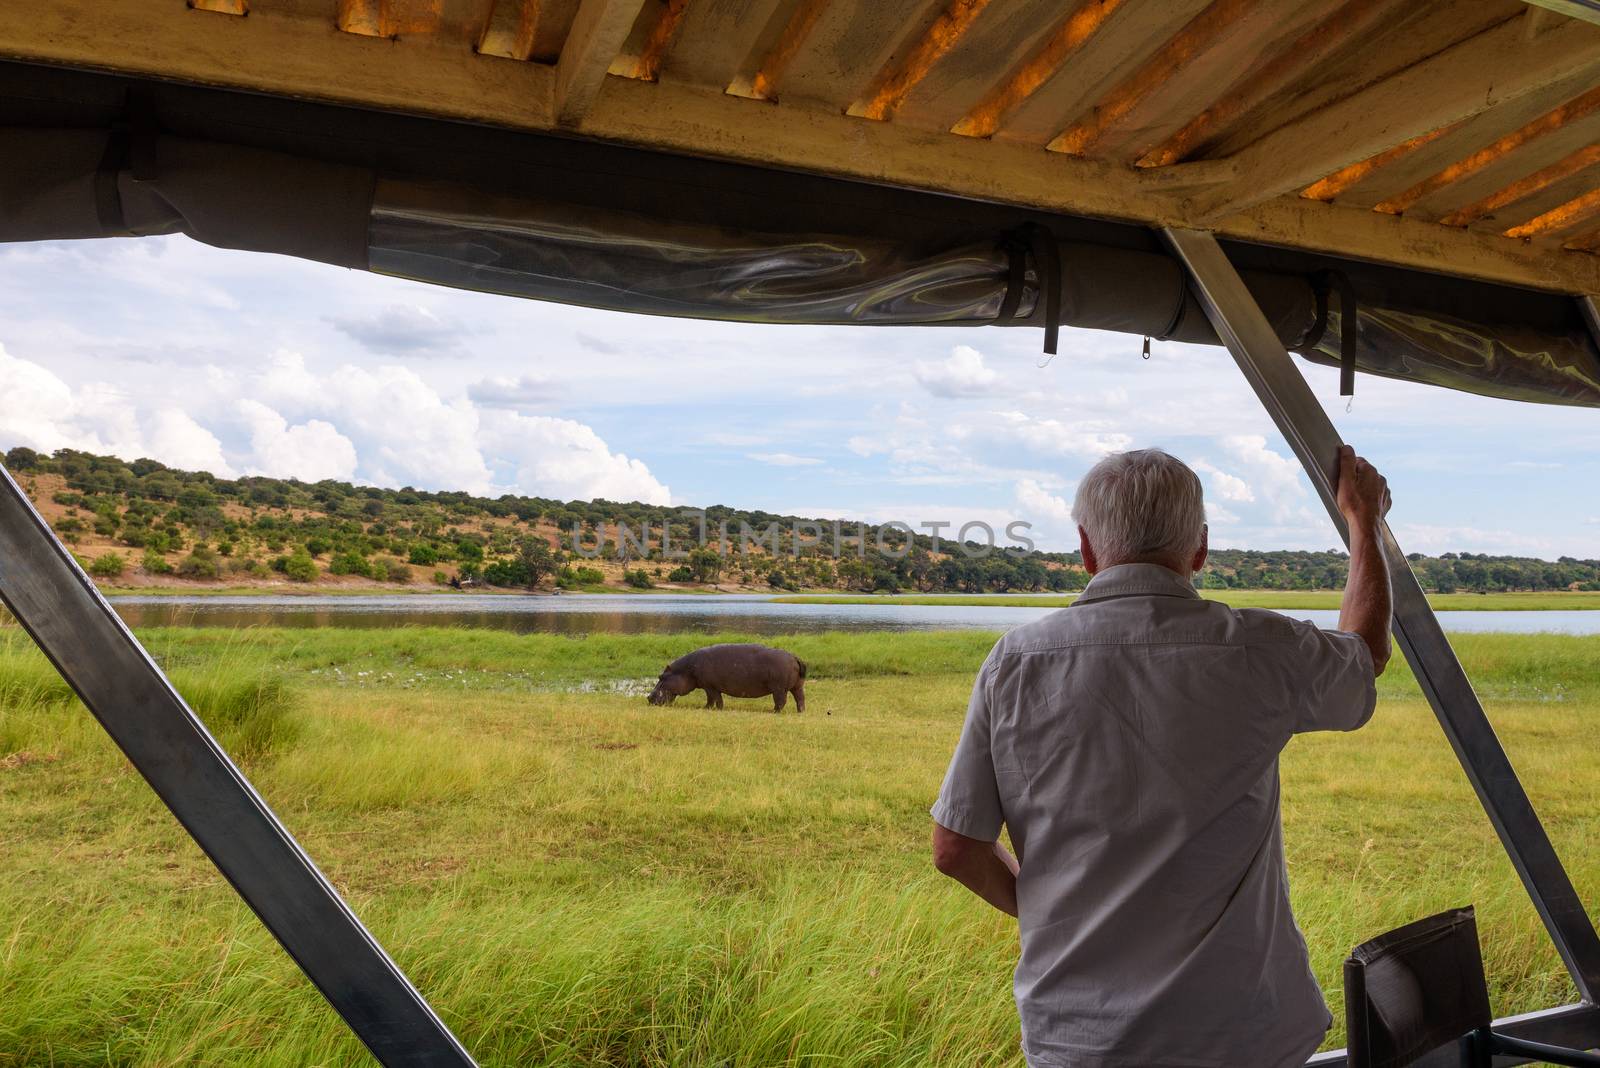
x,y
748,613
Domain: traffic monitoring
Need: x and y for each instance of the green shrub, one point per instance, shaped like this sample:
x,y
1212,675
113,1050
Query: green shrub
x,y
441,578
317,546
424,555
639,579
396,571
108,565
680,574
246,565
300,567
201,563
570,577
350,562
154,563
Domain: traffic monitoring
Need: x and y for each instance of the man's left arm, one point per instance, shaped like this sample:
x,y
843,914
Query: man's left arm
x,y
967,816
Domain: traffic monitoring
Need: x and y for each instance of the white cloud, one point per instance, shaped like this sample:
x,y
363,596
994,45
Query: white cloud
x,y
40,410
1036,500
1278,478
1441,538
311,451
179,441
567,460
962,374
1091,440
1226,486
524,391
36,407
402,330
783,459
384,425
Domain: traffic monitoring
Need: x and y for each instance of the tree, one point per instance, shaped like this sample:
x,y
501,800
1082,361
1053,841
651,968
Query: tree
x,y
706,563
537,559
109,565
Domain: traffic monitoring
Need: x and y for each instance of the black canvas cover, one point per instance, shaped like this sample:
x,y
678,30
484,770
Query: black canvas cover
x,y
622,229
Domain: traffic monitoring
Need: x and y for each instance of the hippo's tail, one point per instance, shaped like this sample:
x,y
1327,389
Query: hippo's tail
x,y
802,665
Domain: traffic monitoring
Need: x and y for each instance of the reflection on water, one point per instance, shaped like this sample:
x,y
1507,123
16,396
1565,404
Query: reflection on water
x,y
657,613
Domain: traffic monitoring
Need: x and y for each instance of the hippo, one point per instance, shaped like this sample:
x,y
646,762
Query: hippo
x,y
743,670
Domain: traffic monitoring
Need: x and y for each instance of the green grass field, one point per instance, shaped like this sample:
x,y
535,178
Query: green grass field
x,y
1442,602
576,878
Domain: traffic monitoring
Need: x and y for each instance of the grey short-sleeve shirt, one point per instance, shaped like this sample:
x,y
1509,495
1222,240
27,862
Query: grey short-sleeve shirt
x,y
1130,745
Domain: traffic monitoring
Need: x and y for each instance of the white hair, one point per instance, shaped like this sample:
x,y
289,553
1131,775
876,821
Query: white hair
x,y
1140,504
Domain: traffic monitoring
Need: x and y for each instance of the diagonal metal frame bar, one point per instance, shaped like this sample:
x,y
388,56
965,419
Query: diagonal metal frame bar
x,y
1312,436
61,610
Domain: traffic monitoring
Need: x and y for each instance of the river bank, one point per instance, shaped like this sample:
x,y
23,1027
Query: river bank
x,y
1566,600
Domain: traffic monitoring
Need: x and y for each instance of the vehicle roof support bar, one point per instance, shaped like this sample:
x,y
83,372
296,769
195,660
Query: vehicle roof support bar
x,y
99,657
1315,440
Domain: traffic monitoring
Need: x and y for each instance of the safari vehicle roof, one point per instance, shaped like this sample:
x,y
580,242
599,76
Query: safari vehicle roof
x,y
1454,144
1457,136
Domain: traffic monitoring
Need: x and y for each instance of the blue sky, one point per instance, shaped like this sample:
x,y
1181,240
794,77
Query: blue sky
x,y
261,364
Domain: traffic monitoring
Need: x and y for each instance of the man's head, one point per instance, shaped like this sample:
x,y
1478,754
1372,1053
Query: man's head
x,y
1141,507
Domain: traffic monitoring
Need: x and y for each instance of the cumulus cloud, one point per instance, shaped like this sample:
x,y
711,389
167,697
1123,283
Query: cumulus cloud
x,y
1224,485
783,459
1278,477
383,425
405,432
40,410
567,460
962,374
312,451
402,330
174,436
1038,501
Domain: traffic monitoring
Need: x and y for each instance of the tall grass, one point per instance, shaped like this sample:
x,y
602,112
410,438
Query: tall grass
x,y
249,708
576,878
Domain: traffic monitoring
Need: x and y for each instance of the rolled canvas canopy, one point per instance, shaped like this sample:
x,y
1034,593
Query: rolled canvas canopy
x,y
629,230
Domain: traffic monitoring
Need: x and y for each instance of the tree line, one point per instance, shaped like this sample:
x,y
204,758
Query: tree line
x,y
199,526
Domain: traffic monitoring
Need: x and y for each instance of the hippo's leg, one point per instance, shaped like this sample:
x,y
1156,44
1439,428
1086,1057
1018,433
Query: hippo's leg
x,y
779,699
799,692
713,698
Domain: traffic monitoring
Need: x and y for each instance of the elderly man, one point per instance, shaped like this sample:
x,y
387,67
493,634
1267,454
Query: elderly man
x,y
1130,745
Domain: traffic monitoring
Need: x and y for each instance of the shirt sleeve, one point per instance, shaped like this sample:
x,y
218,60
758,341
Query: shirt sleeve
x,y
1334,685
969,800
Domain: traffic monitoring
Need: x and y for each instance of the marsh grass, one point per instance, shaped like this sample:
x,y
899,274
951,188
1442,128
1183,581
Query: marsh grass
x,y
576,878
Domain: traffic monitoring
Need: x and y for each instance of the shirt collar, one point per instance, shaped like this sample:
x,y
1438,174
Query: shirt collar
x,y
1125,580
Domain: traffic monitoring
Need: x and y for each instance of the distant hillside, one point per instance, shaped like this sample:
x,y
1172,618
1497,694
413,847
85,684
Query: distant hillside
x,y
145,524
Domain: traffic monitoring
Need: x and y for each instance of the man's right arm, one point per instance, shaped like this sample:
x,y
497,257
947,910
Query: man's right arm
x,y
1363,497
